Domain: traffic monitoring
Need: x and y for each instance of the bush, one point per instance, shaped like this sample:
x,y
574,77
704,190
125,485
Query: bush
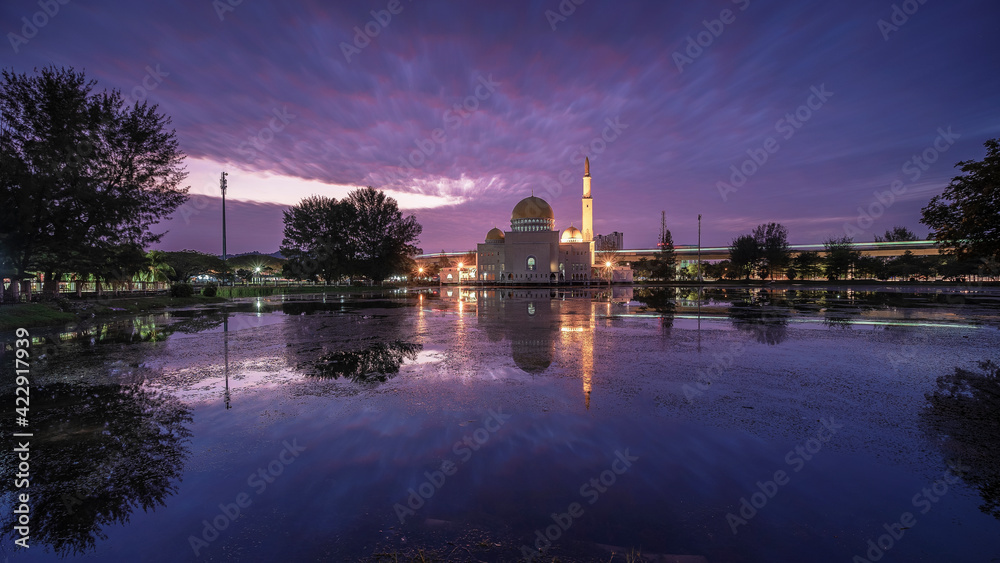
x,y
210,289
181,289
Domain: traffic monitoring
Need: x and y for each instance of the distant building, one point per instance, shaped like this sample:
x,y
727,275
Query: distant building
x,y
615,241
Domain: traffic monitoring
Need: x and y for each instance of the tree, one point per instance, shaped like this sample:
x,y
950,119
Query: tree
x,y
642,268
245,275
665,263
157,268
318,241
384,240
897,234
363,234
840,257
909,266
744,255
966,217
716,270
872,267
772,242
83,176
187,263
807,265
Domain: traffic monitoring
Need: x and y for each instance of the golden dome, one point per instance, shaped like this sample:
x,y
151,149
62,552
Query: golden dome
x,y
494,234
532,207
572,234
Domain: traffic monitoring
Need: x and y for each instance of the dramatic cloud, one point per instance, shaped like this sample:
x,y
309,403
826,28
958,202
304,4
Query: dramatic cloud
x,y
461,109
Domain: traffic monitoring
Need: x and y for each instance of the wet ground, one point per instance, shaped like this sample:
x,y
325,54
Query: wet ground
x,y
745,425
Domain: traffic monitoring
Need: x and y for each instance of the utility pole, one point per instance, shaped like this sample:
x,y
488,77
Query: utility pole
x,y
225,257
700,279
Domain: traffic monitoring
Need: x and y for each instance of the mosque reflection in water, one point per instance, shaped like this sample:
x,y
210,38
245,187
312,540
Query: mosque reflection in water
x,y
543,326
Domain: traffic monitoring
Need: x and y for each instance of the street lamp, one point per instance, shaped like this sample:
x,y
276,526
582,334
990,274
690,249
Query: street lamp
x,y
460,272
257,270
420,272
608,266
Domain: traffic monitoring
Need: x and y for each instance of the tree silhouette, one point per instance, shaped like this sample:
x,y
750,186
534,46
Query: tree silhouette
x,y
84,176
744,255
962,418
966,217
106,451
376,364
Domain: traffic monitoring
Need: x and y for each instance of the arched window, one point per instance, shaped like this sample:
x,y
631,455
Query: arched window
x,y
531,263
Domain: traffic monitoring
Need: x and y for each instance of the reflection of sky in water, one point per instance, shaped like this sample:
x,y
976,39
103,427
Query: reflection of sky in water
x,y
580,379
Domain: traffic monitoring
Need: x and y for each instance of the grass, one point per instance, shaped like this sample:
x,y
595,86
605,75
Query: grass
x,y
64,310
143,304
23,315
61,311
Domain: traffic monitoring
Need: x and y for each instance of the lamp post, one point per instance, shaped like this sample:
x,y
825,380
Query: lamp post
x,y
420,273
460,264
700,279
257,271
225,263
608,266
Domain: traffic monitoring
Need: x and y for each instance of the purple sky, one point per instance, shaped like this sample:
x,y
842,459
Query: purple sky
x,y
266,93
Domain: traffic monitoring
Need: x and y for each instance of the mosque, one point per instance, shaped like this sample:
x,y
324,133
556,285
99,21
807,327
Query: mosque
x,y
533,252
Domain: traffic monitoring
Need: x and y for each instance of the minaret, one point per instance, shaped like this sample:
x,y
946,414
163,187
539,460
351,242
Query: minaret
x,y
588,204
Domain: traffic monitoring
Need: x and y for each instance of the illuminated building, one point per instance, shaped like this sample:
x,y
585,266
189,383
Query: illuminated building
x,y
533,252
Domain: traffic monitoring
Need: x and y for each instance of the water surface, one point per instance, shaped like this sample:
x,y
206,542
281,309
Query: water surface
x,y
726,425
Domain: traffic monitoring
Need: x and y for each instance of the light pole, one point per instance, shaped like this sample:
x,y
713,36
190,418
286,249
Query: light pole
x,y
225,264
608,266
257,270
700,279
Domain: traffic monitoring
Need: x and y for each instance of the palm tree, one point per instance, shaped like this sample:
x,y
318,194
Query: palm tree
x,y
157,268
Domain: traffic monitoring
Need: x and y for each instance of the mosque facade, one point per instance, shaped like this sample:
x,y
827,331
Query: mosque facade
x,y
533,251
